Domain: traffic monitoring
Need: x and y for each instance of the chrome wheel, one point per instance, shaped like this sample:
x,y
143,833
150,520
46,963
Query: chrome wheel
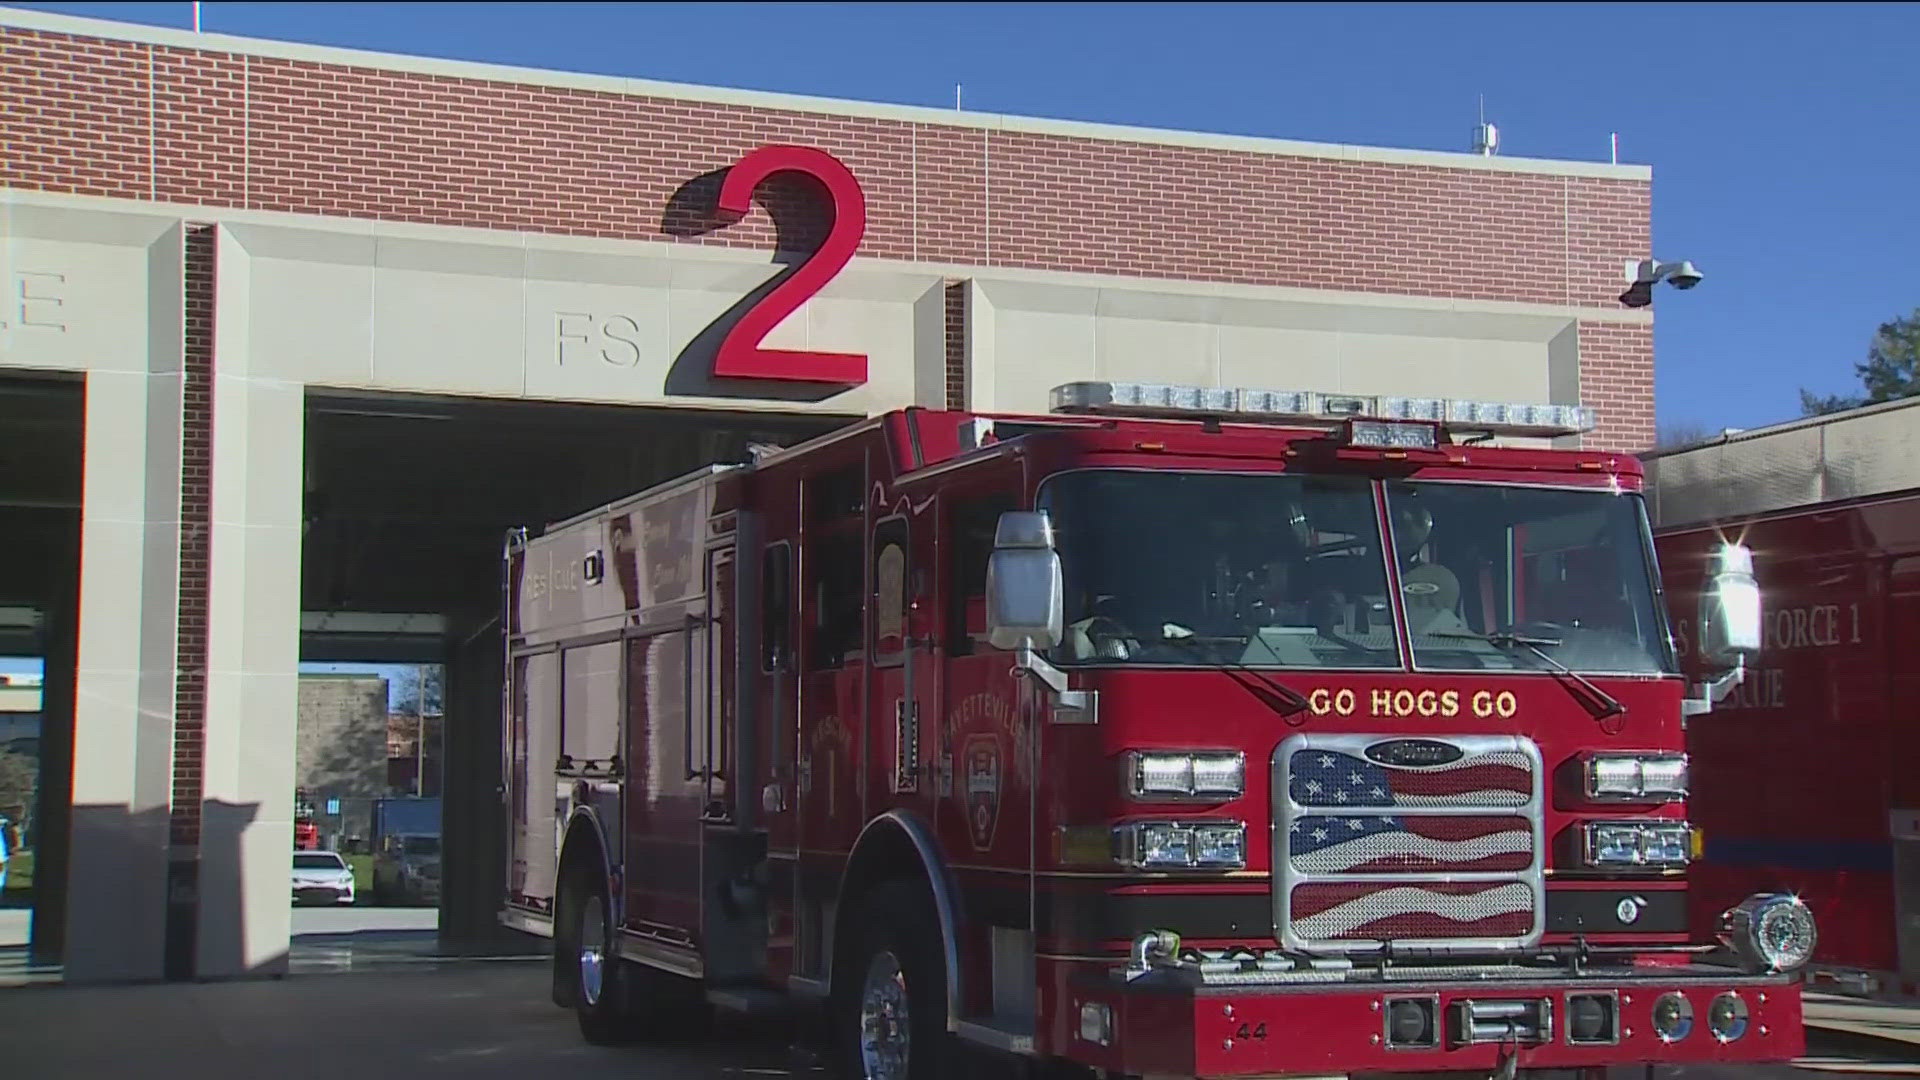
x,y
884,1036
593,949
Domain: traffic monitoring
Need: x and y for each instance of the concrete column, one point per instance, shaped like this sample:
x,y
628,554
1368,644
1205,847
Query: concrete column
x,y
253,645
124,679
982,357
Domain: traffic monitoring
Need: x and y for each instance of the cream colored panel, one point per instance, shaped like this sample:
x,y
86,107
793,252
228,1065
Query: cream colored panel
x,y
252,649
1035,351
596,342
1391,364
1141,350
448,318
315,321
982,350
73,306
1506,371
929,368
1275,359
129,562
1217,335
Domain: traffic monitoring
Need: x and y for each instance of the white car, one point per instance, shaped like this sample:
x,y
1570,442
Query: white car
x,y
321,877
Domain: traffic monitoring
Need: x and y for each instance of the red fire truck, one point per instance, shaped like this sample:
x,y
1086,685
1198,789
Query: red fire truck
x,y
1804,774
1176,732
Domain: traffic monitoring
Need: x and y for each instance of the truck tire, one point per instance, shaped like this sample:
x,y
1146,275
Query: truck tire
x,y
585,953
890,1015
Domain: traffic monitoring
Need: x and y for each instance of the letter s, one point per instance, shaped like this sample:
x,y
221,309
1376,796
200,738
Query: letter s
x,y
626,350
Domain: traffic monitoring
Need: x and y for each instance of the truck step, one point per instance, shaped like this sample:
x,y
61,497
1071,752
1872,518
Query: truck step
x,y
749,1000
1009,1035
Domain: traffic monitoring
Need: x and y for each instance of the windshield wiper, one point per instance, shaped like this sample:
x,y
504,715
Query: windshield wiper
x,y
1292,700
1608,705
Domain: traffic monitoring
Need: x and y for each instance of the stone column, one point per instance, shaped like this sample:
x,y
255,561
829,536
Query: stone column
x,y
129,559
253,638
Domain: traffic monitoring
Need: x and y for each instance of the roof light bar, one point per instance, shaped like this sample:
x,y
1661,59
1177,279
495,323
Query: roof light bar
x,y
1316,408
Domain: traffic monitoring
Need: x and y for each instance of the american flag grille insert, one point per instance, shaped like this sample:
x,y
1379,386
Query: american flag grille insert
x,y
1442,852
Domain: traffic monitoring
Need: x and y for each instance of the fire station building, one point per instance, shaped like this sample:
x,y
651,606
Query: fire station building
x,y
290,336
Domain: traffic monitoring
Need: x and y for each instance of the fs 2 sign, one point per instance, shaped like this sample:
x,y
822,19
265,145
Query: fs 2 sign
x,y
740,355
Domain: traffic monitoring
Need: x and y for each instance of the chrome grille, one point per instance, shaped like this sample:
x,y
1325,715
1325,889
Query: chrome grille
x,y
1433,843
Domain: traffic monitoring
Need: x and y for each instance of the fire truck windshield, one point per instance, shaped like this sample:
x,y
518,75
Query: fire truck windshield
x,y
1215,569
1566,569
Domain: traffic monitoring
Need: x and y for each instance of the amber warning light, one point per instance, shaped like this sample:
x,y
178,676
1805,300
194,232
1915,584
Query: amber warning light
x,y
1382,422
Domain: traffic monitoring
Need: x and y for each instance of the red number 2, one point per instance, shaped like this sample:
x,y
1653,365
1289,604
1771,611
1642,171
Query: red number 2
x,y
740,355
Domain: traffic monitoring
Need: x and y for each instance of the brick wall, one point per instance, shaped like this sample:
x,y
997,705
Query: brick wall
x,y
956,325
196,516
149,121
1616,377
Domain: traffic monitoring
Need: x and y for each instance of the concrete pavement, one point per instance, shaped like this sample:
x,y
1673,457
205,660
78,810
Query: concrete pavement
x,y
471,1019
474,1019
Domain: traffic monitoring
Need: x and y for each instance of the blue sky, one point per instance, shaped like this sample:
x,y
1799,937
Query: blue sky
x,y
1778,134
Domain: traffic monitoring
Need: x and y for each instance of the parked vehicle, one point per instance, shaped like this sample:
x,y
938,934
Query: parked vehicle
x,y
406,869
321,877
406,846
1804,776
1179,732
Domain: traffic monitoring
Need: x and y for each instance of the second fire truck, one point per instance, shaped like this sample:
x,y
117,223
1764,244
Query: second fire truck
x,y
1180,731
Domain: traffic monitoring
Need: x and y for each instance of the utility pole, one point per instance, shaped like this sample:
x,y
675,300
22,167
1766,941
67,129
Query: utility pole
x,y
420,730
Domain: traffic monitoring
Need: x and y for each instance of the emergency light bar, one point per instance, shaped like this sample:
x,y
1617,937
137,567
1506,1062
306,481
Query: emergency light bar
x,y
1313,407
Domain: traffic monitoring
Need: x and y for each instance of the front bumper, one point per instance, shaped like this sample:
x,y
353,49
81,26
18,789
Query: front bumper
x,y
323,894
1163,1024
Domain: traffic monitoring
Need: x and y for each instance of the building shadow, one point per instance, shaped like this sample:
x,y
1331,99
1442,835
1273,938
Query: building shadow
x,y
802,216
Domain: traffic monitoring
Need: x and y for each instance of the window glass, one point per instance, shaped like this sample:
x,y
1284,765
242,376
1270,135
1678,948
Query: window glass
x,y
1494,576
1216,569
776,606
970,527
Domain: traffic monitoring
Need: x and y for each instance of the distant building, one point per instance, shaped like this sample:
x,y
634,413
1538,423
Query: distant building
x,y
341,749
20,714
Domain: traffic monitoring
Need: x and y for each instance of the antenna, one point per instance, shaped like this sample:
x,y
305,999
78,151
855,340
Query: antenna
x,y
956,97
1616,148
1486,137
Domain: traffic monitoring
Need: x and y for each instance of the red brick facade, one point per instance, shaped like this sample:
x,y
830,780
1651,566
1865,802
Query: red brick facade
x,y
155,122
196,519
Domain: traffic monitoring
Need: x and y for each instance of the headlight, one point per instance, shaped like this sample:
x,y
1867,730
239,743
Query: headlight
x,y
1727,1017
1181,845
1656,778
1637,844
1672,1017
1178,776
1770,932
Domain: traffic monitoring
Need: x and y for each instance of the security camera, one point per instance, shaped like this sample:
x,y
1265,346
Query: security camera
x,y
1642,274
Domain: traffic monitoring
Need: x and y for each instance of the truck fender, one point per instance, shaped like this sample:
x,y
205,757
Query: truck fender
x,y
882,833
584,831
583,824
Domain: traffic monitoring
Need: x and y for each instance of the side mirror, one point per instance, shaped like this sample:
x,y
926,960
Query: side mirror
x,y
1730,609
1025,592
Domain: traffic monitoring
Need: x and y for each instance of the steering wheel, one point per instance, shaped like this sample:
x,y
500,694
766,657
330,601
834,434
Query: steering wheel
x,y
1105,631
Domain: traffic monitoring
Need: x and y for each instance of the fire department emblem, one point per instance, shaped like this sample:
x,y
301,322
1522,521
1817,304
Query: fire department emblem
x,y
983,788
